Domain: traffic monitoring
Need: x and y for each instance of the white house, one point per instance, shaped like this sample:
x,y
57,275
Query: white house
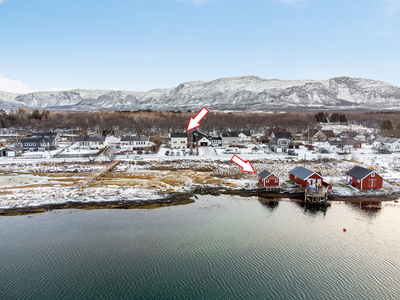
x,y
92,142
114,141
139,142
392,145
379,143
179,140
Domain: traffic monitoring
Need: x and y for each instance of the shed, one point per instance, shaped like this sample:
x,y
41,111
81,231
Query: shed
x,y
306,177
364,178
266,178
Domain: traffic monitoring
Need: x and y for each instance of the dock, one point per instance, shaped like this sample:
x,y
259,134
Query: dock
x,y
97,174
316,195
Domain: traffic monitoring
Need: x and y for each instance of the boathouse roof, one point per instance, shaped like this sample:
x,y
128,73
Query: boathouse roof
x,y
264,174
359,172
303,173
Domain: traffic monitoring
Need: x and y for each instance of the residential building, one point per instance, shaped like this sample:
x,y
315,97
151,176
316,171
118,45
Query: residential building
x,y
92,142
200,138
230,139
306,177
138,142
41,141
364,178
179,140
267,179
244,136
280,141
216,141
10,151
392,145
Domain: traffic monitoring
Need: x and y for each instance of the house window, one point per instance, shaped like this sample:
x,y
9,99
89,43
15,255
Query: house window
x,y
372,174
276,181
267,181
175,142
358,180
183,142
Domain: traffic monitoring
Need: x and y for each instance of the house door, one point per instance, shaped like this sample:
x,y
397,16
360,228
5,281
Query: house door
x,y
372,183
311,181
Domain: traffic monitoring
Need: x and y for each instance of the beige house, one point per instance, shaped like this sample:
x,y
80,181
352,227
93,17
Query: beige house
x,y
178,140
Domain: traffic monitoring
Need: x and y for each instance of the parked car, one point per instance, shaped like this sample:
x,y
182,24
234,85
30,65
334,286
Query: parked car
x,y
137,157
292,152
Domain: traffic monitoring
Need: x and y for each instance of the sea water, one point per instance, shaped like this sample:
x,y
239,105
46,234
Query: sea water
x,y
220,247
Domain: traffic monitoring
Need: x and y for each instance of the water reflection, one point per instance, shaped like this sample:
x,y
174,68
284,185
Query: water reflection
x,y
370,208
314,209
270,204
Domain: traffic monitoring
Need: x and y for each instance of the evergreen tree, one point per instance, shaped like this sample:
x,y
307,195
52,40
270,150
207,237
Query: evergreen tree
x,y
335,117
342,118
387,125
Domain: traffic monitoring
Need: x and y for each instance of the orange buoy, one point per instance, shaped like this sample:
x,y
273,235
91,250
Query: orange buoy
x,y
344,229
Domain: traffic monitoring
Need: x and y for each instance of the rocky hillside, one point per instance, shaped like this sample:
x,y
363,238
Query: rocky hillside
x,y
238,93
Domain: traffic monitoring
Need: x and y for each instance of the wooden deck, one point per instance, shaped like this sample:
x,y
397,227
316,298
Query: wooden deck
x,y
92,177
316,196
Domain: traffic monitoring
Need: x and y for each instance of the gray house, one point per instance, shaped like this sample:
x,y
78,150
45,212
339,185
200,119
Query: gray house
x,y
280,141
41,141
230,139
10,151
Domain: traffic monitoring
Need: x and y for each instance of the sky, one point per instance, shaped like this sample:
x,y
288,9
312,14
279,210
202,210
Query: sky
x,y
139,45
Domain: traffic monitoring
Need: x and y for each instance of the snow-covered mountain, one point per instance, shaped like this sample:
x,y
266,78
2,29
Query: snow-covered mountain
x,y
238,93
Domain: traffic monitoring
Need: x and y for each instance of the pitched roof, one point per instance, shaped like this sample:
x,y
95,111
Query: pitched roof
x,y
137,138
283,135
230,134
216,138
381,139
179,135
35,139
392,140
271,130
245,132
197,136
329,133
359,172
43,134
303,173
90,139
264,174
310,133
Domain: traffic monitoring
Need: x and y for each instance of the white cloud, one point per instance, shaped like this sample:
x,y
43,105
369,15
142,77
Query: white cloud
x,y
13,86
2,1
390,6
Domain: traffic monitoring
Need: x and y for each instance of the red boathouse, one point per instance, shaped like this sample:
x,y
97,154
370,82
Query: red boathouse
x,y
364,178
306,177
266,178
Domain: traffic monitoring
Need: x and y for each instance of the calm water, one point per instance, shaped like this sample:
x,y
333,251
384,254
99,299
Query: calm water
x,y
217,248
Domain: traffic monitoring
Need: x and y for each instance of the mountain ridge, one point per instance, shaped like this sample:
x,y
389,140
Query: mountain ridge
x,y
246,93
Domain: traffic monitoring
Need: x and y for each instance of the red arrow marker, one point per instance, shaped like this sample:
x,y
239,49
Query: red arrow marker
x,y
246,166
194,122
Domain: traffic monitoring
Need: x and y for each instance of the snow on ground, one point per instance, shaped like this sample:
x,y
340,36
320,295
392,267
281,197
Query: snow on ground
x,y
30,181
338,128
